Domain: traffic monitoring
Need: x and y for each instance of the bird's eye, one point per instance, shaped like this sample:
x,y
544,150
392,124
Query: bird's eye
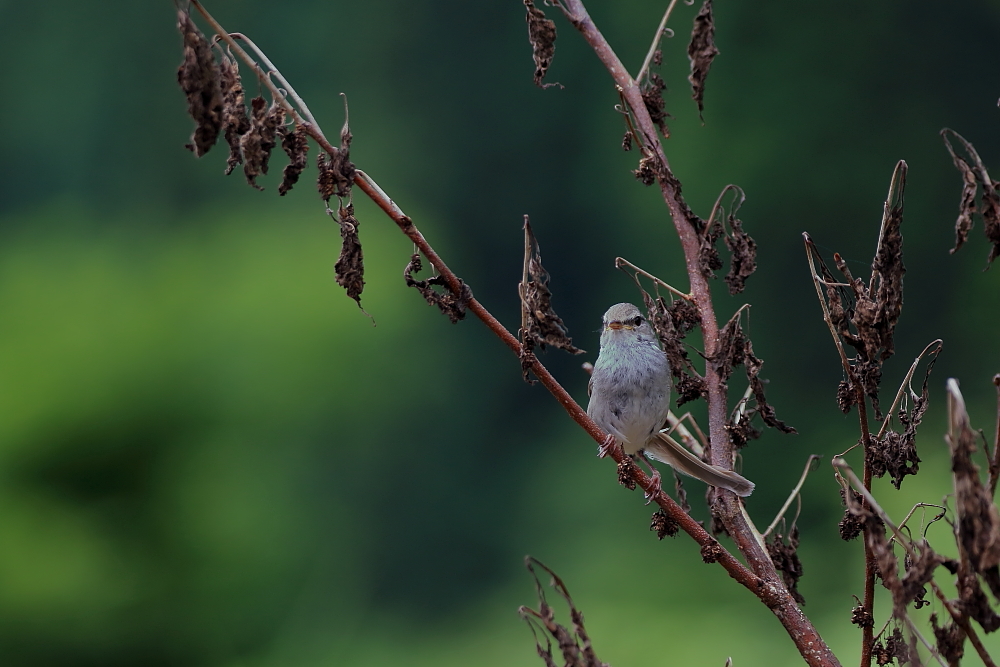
x,y
637,321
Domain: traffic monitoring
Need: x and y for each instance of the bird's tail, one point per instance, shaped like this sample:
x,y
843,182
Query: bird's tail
x,y
663,448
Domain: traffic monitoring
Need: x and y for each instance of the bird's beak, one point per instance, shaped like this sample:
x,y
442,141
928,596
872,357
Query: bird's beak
x,y
615,325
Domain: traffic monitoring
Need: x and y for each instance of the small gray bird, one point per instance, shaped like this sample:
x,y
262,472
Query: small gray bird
x,y
630,397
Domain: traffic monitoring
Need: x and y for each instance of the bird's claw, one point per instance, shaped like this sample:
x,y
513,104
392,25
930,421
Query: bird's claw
x,y
655,480
605,447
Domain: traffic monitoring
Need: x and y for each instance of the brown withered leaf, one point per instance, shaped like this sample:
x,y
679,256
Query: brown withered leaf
x,y
881,655
260,139
967,204
542,36
786,560
888,264
336,171
853,523
701,52
989,207
919,573
652,97
543,325
897,647
296,146
627,141
708,253
235,120
974,603
663,525
978,523
447,302
950,640
743,261
199,78
574,642
350,267
671,323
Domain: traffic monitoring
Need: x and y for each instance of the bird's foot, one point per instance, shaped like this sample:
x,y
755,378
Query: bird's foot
x,y
654,477
607,446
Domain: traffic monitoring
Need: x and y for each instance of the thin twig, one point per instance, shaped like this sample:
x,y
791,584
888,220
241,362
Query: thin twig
x,y
793,494
619,261
905,383
274,70
656,41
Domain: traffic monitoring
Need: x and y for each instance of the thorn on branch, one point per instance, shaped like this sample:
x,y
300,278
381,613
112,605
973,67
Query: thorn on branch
x,y
447,302
199,78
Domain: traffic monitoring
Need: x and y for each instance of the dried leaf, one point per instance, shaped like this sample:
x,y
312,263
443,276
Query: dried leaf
x,y
646,173
260,139
296,146
989,207
542,36
199,78
897,647
978,523
543,325
627,141
967,204
337,172
950,640
701,52
846,396
574,644
652,97
350,267
786,560
743,261
447,302
234,112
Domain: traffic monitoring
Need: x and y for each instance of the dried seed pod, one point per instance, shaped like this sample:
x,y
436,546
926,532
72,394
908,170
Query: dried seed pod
x,y
663,525
626,473
542,36
199,77
974,173
701,52
296,145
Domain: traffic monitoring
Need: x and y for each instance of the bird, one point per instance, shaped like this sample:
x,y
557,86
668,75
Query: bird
x,y
630,397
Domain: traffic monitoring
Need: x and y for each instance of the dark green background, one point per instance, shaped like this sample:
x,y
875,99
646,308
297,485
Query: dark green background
x,y
208,456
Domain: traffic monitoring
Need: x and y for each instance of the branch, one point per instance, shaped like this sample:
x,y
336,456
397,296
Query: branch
x,y
728,508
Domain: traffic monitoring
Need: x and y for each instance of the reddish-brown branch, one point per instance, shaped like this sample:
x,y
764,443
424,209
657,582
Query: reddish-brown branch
x,y
761,579
810,644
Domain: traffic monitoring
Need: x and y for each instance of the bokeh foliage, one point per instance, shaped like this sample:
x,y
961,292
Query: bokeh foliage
x,y
209,457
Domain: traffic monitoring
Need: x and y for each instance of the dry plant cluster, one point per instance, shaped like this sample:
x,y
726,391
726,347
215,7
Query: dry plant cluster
x,y
861,316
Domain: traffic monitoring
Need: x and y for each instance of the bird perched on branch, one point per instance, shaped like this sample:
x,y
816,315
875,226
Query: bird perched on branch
x,y
630,397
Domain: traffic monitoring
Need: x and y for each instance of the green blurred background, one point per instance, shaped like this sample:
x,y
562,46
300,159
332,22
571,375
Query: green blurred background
x,y
208,456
